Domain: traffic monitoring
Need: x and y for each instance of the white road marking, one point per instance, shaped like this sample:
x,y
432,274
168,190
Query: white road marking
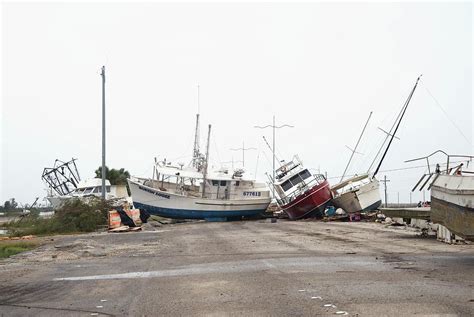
x,y
303,264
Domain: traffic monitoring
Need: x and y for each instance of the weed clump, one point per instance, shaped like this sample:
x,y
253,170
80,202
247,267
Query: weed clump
x,y
11,248
75,215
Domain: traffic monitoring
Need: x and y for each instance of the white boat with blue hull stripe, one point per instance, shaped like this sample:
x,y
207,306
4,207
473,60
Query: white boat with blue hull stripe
x,y
194,192
233,205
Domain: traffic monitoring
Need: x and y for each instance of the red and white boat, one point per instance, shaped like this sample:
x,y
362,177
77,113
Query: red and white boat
x,y
300,193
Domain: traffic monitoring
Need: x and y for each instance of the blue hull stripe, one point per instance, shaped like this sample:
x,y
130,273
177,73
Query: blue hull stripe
x,y
197,214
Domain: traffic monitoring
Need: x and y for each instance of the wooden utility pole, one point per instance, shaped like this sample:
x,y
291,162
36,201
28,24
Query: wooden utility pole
x,y
384,181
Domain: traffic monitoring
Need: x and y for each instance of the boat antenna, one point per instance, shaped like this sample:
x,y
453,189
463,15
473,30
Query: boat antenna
x,y
404,109
355,149
195,161
206,163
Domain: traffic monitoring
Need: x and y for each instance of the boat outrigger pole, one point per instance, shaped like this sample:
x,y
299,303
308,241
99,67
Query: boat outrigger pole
x,y
196,154
404,109
204,178
355,149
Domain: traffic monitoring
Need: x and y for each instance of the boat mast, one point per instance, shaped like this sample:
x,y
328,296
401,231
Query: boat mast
x,y
355,149
404,109
204,178
195,162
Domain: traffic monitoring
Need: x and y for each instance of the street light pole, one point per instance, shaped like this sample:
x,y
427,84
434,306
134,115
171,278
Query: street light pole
x,y
274,126
103,132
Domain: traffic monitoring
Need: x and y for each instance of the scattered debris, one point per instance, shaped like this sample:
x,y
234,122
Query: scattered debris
x,y
124,220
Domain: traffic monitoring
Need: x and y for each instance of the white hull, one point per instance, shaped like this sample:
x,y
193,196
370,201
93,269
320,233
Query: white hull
x,y
362,198
167,204
452,204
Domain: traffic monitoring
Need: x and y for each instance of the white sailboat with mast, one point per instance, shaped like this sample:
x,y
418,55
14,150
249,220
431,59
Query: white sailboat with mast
x,y
357,193
361,193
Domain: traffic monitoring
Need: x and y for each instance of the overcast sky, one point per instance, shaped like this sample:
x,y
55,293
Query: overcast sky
x,y
321,67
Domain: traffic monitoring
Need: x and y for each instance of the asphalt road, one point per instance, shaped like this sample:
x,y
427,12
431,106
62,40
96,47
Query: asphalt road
x,y
252,268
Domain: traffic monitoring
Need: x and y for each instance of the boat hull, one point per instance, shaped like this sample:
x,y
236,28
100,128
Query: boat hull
x,y
169,205
452,204
363,198
309,204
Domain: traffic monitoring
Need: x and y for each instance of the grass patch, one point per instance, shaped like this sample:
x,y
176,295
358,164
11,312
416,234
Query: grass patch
x,y
74,216
9,248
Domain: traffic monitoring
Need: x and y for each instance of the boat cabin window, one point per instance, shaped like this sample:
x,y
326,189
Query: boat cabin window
x,y
88,190
107,189
237,183
215,183
223,183
305,174
96,190
286,185
295,180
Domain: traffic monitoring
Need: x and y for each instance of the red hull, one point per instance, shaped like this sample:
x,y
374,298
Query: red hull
x,y
309,203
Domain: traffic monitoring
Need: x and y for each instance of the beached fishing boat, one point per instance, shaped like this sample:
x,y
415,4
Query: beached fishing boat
x,y
301,194
195,192
452,194
64,183
361,193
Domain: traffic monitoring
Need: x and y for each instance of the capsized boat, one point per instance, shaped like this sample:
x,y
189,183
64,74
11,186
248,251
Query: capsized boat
x,y
361,193
64,183
193,192
452,195
358,193
301,194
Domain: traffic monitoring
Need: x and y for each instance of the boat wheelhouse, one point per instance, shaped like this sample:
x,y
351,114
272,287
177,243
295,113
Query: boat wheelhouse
x,y
90,188
301,194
